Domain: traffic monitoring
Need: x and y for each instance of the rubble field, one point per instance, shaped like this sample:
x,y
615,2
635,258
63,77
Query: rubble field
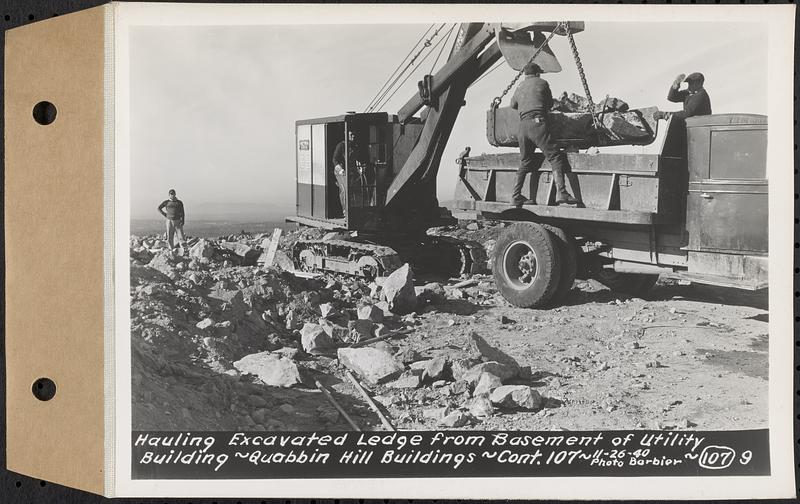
x,y
221,343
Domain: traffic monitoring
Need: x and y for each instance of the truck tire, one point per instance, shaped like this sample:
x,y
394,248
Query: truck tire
x,y
527,266
636,284
568,253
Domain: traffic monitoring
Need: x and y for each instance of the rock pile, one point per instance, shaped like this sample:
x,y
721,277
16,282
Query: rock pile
x,y
250,335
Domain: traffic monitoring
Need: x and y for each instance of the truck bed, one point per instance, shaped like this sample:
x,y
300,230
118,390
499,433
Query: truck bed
x,y
494,209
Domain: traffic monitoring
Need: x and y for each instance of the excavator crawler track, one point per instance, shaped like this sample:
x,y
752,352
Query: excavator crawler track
x,y
435,254
344,256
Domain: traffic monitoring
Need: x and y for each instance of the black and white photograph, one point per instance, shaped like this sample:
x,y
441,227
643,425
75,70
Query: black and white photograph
x,y
526,232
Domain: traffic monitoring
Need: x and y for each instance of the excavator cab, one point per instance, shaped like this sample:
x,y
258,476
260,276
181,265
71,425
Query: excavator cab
x,y
346,190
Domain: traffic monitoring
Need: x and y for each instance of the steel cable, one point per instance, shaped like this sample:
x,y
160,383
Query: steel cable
x,y
411,65
446,38
375,98
412,71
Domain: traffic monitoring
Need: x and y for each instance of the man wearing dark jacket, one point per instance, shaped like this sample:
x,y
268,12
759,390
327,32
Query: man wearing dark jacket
x,y
695,99
533,99
356,158
172,210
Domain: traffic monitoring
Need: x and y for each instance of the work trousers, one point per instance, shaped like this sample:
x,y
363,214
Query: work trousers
x,y
341,181
533,133
175,229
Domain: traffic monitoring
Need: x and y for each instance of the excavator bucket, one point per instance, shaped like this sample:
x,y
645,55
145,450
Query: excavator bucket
x,y
576,129
519,42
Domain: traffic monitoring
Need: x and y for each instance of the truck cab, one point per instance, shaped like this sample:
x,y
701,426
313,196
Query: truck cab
x,y
727,203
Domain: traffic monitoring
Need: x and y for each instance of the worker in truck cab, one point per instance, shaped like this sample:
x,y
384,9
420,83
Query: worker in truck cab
x,y
695,98
533,99
356,157
172,210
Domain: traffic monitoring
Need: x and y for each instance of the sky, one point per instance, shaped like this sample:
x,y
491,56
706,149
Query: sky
x,y
213,108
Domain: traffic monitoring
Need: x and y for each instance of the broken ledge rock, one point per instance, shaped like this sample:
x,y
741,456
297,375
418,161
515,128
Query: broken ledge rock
x,y
272,369
374,365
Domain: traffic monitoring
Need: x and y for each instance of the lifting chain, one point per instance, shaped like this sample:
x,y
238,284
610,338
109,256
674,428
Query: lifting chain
x,y
595,120
565,26
497,99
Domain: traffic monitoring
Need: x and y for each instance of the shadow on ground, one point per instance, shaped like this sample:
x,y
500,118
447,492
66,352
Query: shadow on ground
x,y
694,292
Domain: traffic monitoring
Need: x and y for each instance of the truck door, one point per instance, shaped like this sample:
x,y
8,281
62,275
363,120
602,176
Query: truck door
x,y
727,201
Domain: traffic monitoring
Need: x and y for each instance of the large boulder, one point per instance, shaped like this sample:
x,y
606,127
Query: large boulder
x,y
486,383
398,289
283,261
435,369
516,397
500,370
431,293
374,365
315,340
203,249
272,369
481,407
247,254
163,262
479,348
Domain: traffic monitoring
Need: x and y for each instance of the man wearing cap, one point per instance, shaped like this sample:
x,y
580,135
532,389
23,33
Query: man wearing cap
x,y
172,210
533,100
695,99
355,156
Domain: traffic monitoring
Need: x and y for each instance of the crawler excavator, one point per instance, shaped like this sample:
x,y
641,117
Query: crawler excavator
x,y
697,208
391,198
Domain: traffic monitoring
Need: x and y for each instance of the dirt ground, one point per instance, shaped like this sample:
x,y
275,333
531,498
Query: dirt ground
x,y
683,358
686,357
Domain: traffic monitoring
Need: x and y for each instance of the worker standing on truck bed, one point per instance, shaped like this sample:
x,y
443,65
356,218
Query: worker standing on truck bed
x,y
172,209
695,99
533,99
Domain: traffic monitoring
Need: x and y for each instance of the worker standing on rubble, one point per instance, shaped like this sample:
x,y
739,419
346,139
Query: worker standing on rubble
x,y
354,155
533,99
172,210
695,99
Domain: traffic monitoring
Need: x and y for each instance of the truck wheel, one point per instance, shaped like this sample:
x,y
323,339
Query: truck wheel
x,y
568,254
527,266
629,283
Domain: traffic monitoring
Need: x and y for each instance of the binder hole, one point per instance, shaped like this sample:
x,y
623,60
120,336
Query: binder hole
x,y
44,389
44,113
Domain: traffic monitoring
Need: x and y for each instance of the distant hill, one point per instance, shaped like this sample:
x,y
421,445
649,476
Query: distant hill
x,y
210,228
226,211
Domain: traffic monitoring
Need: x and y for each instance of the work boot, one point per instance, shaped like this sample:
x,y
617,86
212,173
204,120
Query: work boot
x,y
522,200
565,198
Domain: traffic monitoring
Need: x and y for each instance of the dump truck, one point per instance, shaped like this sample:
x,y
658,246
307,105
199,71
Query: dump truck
x,y
697,207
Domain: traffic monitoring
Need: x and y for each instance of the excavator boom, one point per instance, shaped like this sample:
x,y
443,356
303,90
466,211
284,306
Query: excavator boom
x,y
384,190
477,47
